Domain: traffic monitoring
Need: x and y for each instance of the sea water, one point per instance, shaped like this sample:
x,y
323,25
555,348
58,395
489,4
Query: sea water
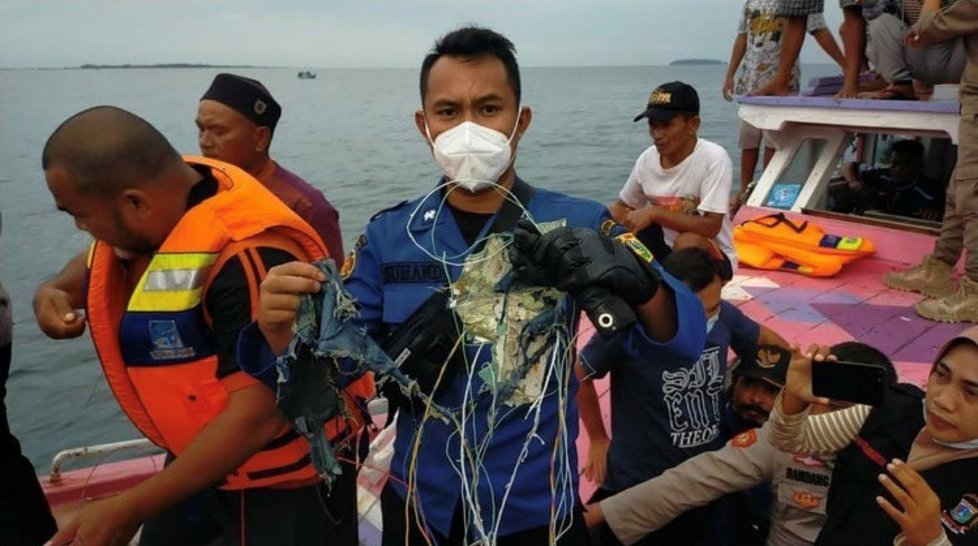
x,y
349,132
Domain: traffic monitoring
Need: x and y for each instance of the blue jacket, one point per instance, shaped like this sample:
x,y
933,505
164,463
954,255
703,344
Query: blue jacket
x,y
391,274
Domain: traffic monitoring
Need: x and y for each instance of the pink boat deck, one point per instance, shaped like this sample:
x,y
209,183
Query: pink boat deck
x,y
854,305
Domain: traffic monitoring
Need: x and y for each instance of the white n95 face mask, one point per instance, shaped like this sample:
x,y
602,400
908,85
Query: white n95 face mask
x,y
471,155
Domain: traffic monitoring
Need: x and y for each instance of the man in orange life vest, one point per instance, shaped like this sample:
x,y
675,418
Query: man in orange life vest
x,y
180,248
236,119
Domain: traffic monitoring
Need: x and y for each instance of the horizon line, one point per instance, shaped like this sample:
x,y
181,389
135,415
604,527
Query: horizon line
x,y
182,65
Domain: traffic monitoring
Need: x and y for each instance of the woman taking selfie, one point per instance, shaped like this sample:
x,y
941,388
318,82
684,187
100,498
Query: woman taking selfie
x,y
907,469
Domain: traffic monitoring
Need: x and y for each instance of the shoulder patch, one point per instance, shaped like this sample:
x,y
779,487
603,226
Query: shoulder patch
x,y
388,209
350,262
607,226
349,265
361,242
963,517
744,439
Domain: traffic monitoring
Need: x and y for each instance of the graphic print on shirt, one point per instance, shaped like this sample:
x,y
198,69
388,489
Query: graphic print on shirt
x,y
692,398
765,28
686,204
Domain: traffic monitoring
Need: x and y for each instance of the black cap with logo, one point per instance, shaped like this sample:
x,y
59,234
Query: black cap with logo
x,y
669,100
769,363
246,96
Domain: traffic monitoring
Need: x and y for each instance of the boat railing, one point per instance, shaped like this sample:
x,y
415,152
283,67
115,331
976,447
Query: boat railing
x,y
810,134
95,451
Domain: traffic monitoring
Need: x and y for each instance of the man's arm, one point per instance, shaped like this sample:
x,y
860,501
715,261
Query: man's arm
x,y
286,283
742,463
249,423
632,195
56,300
589,408
660,315
792,39
937,25
850,172
707,224
736,57
619,211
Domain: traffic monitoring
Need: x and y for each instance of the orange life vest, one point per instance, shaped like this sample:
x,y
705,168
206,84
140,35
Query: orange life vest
x,y
775,242
155,342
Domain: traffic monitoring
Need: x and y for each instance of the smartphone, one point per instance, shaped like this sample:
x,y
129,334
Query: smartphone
x,y
849,381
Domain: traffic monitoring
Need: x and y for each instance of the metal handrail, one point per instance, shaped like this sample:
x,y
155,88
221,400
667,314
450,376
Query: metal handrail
x,y
99,450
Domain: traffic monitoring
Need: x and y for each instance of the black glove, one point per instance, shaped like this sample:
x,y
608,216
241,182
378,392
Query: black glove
x,y
575,259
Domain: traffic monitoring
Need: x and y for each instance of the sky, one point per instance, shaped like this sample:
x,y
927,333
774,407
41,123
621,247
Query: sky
x,y
364,33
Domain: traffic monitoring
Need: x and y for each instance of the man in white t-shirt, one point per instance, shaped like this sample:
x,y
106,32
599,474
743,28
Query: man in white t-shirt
x,y
679,191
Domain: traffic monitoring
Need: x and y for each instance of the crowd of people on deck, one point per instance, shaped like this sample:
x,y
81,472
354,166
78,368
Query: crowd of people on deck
x,y
193,286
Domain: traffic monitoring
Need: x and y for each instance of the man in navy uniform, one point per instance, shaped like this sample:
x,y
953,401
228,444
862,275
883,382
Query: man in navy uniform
x,y
501,469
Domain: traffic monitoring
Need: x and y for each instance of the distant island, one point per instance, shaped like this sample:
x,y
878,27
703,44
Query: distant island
x,y
166,65
684,62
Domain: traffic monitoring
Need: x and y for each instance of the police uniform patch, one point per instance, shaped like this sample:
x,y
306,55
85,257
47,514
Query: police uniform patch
x,y
769,357
349,263
361,242
963,517
744,439
806,500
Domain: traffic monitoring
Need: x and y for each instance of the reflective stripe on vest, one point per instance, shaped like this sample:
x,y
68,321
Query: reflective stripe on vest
x,y
173,282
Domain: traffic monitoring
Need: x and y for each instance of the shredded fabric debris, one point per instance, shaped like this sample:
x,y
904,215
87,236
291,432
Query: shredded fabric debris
x,y
327,348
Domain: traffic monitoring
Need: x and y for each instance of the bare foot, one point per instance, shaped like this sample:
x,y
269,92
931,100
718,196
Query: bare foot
x,y
895,92
848,91
875,84
922,89
773,89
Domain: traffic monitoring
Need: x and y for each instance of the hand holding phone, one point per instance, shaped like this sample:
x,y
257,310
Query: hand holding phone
x,y
849,381
798,385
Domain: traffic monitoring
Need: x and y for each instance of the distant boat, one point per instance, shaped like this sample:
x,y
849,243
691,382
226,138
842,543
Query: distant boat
x,y
307,75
